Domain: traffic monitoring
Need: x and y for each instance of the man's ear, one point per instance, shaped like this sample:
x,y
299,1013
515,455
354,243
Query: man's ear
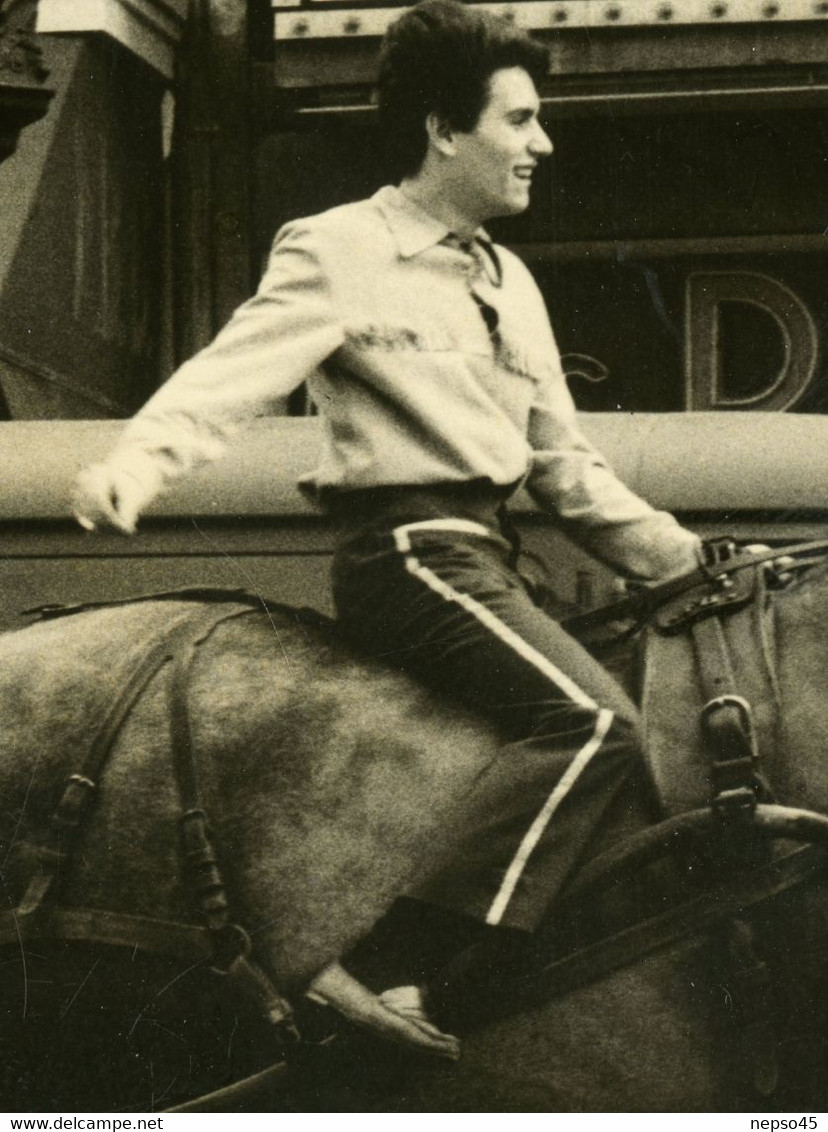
x,y
440,134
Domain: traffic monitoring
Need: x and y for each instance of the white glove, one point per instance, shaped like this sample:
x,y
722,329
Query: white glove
x,y
108,496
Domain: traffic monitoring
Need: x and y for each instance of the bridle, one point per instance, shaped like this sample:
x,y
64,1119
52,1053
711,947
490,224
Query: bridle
x,y
735,817
722,561
724,583
692,602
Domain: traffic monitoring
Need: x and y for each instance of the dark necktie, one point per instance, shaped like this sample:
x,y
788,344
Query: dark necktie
x,y
484,255
487,273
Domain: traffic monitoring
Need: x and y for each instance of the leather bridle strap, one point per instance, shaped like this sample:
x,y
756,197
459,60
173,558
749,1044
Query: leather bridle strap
x,y
727,725
240,1096
676,833
51,851
54,845
230,942
645,598
602,958
187,942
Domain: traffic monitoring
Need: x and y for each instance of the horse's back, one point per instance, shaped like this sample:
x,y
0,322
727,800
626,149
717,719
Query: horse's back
x,y
331,782
57,676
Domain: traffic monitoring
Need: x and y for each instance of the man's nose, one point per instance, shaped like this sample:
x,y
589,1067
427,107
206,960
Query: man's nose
x,y
541,143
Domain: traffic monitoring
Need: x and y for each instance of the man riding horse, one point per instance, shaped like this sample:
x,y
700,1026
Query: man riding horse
x,y
428,351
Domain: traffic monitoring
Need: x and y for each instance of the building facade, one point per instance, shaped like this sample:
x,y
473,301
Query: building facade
x,y
678,232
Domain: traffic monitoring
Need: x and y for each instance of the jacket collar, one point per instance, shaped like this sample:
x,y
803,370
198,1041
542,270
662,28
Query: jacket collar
x,y
414,229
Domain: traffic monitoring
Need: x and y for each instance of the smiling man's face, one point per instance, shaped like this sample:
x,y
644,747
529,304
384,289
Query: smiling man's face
x,y
494,161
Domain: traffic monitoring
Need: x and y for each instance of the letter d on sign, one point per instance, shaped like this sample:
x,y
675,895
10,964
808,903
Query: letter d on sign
x,y
704,382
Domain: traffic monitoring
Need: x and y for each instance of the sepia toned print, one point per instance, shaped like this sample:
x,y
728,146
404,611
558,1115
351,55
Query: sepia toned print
x,y
413,533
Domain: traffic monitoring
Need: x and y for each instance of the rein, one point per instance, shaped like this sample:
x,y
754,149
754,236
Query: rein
x,y
739,818
601,958
644,599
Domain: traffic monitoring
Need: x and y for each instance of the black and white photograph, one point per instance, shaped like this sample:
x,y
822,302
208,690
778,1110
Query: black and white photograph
x,y
414,559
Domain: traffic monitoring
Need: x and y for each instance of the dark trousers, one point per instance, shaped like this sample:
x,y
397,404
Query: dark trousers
x,y
438,596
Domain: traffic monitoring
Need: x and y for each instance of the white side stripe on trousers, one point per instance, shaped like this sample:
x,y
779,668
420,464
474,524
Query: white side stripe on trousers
x,y
485,616
538,826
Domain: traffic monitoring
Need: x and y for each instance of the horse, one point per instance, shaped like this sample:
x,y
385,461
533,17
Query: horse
x,y
159,906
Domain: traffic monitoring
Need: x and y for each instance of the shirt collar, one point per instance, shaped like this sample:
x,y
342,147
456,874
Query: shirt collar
x,y
414,229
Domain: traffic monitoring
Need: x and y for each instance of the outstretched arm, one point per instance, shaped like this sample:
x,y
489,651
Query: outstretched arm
x,y
109,495
273,343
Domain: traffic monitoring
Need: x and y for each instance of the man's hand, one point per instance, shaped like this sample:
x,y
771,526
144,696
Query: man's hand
x,y
777,571
108,497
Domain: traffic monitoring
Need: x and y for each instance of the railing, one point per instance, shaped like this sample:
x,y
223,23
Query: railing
x,y
326,19
714,463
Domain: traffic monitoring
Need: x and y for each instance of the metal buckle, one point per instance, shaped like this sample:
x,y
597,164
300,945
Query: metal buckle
x,y
731,699
717,552
722,593
733,779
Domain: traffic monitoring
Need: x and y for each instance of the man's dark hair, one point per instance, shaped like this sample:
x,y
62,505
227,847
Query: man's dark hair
x,y
438,58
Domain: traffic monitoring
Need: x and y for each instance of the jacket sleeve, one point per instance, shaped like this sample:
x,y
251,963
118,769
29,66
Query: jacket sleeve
x,y
570,478
272,343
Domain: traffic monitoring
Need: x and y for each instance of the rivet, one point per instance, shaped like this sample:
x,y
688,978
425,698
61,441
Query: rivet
x,y
821,8
351,26
560,15
718,10
613,13
301,27
770,10
665,12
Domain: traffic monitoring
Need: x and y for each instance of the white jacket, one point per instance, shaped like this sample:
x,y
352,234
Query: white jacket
x,y
385,321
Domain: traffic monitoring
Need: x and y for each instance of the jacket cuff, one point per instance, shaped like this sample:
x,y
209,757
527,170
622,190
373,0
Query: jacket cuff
x,y
657,548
